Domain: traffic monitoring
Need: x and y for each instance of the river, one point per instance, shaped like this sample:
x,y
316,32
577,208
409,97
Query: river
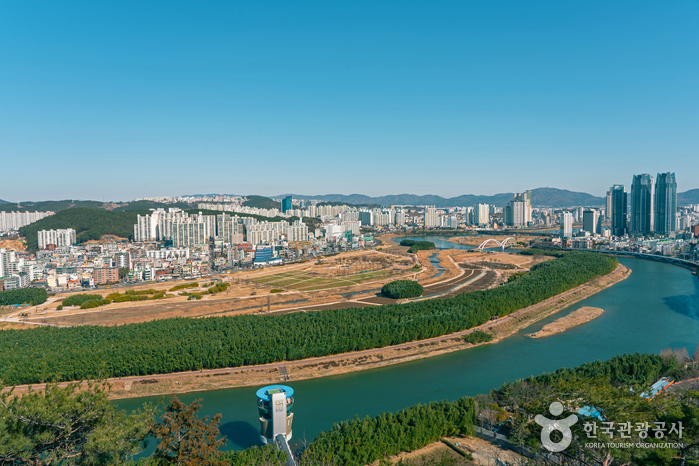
x,y
655,308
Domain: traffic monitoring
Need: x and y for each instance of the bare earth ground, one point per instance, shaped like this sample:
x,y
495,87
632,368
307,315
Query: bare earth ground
x,y
483,452
575,318
476,240
353,274
12,245
128,387
349,280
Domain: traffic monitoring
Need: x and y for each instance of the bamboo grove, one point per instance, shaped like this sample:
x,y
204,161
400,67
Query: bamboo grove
x,y
181,344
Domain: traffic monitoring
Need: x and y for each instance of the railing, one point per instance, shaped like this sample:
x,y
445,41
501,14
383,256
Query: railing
x,y
283,445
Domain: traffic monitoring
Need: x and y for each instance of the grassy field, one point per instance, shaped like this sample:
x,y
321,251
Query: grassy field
x,y
308,281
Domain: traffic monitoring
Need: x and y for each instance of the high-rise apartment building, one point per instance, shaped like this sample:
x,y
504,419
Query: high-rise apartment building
x,y
228,229
566,225
642,205
59,238
6,257
608,210
188,232
619,209
366,217
399,217
431,217
481,214
16,220
665,203
592,221
297,232
518,212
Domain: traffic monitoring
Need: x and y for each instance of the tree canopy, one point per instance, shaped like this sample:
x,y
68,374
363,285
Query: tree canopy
x,y
182,344
402,289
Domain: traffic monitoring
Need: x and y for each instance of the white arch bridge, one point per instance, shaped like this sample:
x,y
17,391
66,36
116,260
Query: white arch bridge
x,y
500,244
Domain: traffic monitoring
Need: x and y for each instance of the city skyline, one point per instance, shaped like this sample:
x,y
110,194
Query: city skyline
x,y
101,103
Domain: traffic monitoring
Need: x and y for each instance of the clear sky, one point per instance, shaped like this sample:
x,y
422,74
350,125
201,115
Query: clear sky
x,y
118,100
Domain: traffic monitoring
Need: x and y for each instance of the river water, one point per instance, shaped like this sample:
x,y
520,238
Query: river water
x,y
655,308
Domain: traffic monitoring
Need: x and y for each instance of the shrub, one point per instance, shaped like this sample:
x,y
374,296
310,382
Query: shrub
x,y
185,285
80,299
478,336
276,290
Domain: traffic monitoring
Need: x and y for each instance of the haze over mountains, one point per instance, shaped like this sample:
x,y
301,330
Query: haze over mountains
x,y
541,197
549,197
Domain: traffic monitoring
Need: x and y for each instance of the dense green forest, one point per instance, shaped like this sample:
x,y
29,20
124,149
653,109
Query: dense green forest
x,y
543,252
402,289
89,224
416,246
614,388
181,344
362,441
31,296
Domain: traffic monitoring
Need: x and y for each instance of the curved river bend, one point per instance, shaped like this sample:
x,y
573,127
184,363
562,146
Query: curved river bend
x,y
655,308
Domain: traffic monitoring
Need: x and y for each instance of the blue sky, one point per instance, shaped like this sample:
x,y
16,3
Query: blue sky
x,y
119,100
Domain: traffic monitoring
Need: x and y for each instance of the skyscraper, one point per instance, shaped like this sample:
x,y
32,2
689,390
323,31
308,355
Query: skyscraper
x,y
619,206
286,204
566,225
665,203
642,204
592,221
608,209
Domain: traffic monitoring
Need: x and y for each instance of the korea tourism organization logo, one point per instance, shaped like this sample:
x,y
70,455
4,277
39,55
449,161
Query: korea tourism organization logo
x,y
551,425
616,435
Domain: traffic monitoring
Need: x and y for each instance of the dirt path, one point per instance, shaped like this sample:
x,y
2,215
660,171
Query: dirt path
x,y
181,382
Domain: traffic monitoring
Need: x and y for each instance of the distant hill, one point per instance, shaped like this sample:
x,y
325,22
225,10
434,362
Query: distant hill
x,y
544,197
49,206
4,202
88,224
553,197
688,197
262,202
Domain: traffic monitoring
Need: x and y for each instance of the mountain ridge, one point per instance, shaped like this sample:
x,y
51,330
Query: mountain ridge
x,y
542,197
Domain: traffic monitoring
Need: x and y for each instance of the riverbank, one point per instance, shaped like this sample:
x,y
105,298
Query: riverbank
x,y
183,382
575,318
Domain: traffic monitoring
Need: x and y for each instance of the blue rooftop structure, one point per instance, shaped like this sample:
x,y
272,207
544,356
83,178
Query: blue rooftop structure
x,y
591,411
658,387
265,393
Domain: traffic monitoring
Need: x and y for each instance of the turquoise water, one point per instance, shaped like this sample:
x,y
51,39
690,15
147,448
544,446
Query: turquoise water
x,y
655,308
